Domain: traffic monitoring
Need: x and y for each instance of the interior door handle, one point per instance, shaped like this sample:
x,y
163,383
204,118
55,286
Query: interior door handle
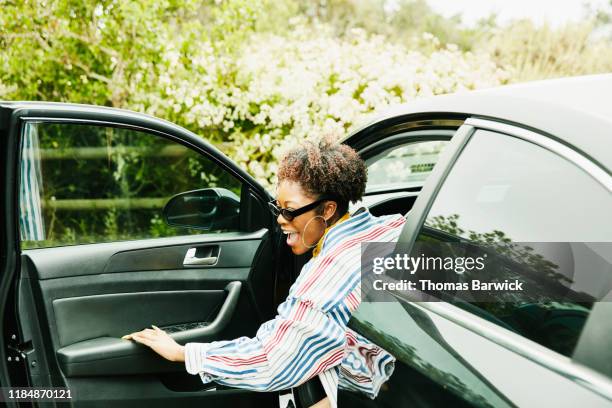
x,y
192,260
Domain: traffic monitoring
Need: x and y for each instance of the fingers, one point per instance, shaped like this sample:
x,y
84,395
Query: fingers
x,y
143,340
148,333
141,333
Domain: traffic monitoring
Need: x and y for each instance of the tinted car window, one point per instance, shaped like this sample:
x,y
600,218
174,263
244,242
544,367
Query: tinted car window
x,y
427,369
404,165
90,184
506,190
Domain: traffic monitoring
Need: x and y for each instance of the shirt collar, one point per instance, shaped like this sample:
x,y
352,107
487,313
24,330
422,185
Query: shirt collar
x,y
317,248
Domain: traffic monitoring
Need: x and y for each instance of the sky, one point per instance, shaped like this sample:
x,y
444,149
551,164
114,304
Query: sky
x,y
555,12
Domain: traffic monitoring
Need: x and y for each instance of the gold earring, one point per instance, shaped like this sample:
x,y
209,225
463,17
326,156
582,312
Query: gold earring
x,y
306,226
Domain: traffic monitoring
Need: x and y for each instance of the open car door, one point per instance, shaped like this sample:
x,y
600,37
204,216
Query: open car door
x,y
88,256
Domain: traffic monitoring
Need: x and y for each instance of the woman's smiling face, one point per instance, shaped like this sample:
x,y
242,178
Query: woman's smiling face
x,y
305,230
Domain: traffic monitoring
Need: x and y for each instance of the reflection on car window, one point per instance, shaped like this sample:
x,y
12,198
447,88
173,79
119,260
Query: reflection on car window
x,y
503,190
424,362
405,165
90,184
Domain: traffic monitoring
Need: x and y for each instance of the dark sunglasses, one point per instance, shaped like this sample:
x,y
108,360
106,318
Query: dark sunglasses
x,y
289,215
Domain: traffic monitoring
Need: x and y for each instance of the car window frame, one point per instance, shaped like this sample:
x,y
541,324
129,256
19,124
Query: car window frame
x,y
97,116
399,140
142,133
566,366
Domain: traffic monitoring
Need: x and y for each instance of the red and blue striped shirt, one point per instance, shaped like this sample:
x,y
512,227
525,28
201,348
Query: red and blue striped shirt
x,y
309,336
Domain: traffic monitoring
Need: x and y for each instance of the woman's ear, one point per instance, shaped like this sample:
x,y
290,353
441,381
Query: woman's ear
x,y
329,210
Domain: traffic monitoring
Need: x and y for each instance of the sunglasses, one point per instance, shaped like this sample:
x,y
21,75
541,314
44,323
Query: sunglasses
x,y
289,215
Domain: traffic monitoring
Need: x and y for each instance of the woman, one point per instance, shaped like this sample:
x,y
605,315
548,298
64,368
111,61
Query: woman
x,y
309,336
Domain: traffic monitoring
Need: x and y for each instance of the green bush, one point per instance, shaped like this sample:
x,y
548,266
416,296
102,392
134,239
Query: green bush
x,y
255,76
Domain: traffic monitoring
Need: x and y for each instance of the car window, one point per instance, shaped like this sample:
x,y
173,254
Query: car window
x,y
421,353
82,183
507,191
405,165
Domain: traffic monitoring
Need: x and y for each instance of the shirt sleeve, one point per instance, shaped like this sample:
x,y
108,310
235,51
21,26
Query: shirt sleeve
x,y
306,338
365,366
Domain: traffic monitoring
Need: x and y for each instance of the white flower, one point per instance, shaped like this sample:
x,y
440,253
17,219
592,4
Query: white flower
x,y
280,90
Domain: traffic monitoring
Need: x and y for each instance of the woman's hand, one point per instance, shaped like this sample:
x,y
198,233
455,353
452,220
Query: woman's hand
x,y
160,342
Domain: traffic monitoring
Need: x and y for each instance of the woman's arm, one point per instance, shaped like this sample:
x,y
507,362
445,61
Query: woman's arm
x,y
308,335
304,339
301,342
298,344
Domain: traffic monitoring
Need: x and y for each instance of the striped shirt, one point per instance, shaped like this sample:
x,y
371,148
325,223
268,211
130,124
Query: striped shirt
x,y
309,336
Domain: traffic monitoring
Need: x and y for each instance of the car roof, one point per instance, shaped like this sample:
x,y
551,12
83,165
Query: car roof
x,y
575,111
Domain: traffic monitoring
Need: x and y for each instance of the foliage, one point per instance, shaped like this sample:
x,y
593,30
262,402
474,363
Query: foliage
x,y
254,76
400,21
216,70
304,84
83,51
544,52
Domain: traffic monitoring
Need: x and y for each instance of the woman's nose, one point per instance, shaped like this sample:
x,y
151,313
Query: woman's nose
x,y
281,220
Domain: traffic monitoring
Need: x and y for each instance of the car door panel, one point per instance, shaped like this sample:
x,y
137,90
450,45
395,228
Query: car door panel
x,y
450,364
86,312
239,249
110,355
75,302
160,391
78,318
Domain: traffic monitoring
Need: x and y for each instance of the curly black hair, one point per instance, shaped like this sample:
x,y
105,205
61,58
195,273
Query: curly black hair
x,y
326,168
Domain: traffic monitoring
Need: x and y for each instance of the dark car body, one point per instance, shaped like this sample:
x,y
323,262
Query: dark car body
x,y
65,307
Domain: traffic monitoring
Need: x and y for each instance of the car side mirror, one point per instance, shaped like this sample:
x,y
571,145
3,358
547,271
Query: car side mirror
x,y
210,209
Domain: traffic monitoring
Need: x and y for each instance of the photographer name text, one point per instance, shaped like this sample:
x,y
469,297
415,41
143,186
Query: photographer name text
x,y
428,285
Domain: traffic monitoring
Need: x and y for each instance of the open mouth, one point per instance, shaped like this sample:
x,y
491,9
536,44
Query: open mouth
x,y
292,237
